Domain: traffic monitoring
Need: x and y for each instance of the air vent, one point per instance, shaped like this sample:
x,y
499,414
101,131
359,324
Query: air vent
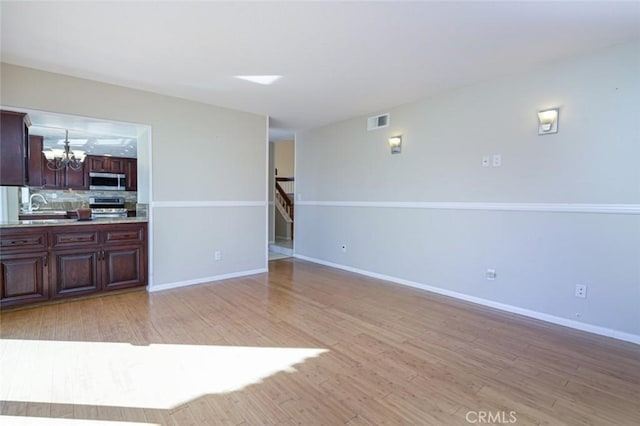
x,y
378,121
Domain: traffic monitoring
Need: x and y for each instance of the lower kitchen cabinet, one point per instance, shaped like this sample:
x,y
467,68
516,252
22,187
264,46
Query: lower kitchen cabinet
x,y
123,267
43,263
24,278
75,272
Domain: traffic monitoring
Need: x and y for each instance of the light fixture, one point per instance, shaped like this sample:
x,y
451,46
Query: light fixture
x,y
548,121
395,142
58,159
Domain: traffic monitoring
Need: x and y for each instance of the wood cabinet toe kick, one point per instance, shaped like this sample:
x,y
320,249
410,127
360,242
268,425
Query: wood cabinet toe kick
x,y
40,264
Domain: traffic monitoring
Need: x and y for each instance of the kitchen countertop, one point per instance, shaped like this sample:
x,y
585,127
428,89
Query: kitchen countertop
x,y
67,222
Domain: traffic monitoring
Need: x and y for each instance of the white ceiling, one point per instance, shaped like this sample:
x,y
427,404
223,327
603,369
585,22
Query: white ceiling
x,y
337,59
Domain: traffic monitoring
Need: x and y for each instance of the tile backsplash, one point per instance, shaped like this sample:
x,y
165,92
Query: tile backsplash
x,y
70,199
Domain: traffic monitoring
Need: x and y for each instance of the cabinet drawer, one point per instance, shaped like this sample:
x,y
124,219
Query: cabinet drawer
x,y
124,235
73,239
23,240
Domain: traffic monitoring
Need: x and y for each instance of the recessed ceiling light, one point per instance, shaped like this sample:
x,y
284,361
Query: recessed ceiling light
x,y
109,141
260,79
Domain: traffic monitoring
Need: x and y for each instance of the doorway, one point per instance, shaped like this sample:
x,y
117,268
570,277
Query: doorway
x,y
282,199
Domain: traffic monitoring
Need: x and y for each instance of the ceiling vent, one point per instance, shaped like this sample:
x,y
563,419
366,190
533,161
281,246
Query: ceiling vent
x,y
378,121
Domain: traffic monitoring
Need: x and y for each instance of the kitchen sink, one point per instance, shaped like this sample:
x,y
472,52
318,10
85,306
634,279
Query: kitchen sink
x,y
43,212
43,221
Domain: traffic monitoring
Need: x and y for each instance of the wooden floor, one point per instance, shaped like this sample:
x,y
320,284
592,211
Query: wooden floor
x,y
391,355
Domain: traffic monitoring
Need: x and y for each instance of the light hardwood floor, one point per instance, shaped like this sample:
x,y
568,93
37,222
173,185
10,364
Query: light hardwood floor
x,y
384,354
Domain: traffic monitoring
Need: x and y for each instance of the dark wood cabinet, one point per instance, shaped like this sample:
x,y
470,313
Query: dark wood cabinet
x,y
131,171
24,278
43,263
123,267
51,179
14,143
75,179
121,165
104,164
75,272
36,178
40,175
24,259
88,259
64,178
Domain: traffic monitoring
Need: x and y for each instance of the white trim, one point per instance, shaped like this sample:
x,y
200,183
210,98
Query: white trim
x,y
526,207
170,204
603,331
151,251
267,185
178,284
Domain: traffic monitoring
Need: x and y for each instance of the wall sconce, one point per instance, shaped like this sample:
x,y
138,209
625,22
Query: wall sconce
x,y
548,121
395,142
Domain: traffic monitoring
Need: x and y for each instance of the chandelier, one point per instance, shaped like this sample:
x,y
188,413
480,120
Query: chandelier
x,y
58,159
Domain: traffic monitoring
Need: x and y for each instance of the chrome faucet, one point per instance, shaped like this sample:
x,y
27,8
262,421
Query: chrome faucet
x,y
31,201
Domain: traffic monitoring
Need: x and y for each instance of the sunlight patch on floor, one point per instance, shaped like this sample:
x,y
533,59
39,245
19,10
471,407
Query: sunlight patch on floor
x,y
121,374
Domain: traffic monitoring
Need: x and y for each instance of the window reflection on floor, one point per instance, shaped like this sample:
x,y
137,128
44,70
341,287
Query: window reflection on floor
x,y
120,374
47,421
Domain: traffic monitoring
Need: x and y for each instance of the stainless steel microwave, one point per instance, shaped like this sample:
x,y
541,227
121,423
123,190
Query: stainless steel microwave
x,y
107,181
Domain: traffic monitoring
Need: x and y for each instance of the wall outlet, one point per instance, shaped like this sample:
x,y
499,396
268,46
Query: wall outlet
x,y
299,196
485,161
217,255
581,291
491,274
343,248
497,160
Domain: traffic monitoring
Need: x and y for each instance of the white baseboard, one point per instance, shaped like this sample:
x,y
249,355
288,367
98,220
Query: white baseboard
x,y
178,284
602,331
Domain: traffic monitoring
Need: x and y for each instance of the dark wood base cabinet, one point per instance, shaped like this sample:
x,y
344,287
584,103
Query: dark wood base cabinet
x,y
44,263
24,278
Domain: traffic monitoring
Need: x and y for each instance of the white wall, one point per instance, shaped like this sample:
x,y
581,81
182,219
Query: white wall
x,y
208,170
285,158
547,219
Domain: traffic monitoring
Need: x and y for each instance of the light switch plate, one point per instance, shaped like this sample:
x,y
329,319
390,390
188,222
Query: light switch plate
x,y
485,161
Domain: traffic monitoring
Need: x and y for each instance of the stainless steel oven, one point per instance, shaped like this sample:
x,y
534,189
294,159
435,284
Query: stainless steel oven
x,y
107,181
107,207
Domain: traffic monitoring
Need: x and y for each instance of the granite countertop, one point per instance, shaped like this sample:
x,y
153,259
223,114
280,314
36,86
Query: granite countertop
x,y
67,222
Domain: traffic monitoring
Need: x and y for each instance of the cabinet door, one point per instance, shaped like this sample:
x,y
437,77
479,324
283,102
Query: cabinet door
x,y
116,165
123,267
131,170
14,142
96,164
75,272
23,278
52,179
35,161
75,179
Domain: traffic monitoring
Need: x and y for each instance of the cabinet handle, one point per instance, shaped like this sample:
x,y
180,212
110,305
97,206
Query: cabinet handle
x,y
45,260
19,242
75,240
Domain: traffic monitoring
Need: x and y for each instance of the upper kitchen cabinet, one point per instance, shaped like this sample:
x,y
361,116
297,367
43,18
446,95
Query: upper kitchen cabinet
x,y
118,165
14,141
105,164
36,176
131,170
42,176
